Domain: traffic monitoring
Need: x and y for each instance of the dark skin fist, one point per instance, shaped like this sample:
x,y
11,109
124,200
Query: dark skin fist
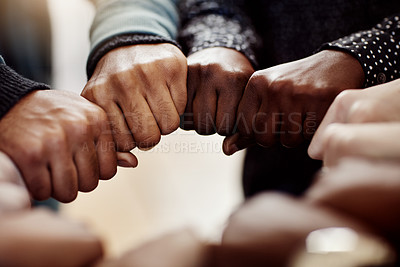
x,y
216,81
142,88
61,143
287,102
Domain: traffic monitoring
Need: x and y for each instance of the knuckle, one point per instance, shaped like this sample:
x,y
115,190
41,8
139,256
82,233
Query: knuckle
x,y
335,141
258,82
34,153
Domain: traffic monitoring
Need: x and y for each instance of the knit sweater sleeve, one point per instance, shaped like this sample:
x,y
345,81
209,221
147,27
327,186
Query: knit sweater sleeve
x,y
13,87
376,49
126,22
217,23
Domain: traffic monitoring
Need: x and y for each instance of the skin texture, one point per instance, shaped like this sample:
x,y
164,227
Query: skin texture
x,y
376,104
60,142
142,88
41,238
216,81
286,103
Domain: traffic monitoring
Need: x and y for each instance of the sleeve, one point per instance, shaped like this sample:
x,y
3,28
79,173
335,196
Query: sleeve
x,y
127,22
13,87
376,49
217,23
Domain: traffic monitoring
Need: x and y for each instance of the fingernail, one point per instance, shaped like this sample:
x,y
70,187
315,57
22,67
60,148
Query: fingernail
x,y
125,164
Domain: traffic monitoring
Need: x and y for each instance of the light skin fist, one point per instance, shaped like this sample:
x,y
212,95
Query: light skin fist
x,y
60,142
41,238
142,88
216,81
286,103
376,104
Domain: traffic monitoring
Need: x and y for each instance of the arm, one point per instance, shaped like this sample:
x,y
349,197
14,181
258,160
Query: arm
x,y
137,73
221,47
67,145
294,97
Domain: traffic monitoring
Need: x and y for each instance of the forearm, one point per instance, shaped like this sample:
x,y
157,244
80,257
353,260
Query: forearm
x,y
124,22
217,23
13,87
376,49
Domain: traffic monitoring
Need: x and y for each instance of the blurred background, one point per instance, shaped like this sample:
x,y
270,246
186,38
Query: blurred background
x,y
184,181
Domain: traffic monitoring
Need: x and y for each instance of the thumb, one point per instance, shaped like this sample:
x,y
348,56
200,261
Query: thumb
x,y
235,143
127,160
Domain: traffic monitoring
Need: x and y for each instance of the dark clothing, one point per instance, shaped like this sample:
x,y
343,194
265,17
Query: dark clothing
x,y
13,87
272,32
25,45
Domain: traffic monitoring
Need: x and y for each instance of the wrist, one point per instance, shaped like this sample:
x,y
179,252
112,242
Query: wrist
x,y
347,67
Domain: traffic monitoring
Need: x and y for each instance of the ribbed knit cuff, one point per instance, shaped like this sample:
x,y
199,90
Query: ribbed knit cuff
x,y
119,41
13,87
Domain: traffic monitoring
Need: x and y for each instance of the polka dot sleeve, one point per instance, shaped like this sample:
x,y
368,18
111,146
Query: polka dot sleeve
x,y
376,49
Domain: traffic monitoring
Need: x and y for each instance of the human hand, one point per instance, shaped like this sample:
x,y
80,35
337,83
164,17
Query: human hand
x,y
142,88
41,238
60,142
216,81
14,196
270,229
287,102
364,189
376,104
375,141
177,249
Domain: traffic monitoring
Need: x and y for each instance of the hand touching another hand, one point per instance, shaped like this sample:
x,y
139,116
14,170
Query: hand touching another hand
x,y
376,104
216,81
61,143
286,103
142,88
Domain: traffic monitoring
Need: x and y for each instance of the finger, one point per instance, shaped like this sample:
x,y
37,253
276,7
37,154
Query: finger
x,y
333,115
226,112
122,135
127,160
64,176
87,166
204,111
292,128
164,110
235,143
141,122
177,88
106,154
38,181
187,122
247,110
267,127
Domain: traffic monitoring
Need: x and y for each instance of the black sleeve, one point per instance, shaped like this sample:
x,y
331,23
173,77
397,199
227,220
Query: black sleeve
x,y
217,23
13,87
376,49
